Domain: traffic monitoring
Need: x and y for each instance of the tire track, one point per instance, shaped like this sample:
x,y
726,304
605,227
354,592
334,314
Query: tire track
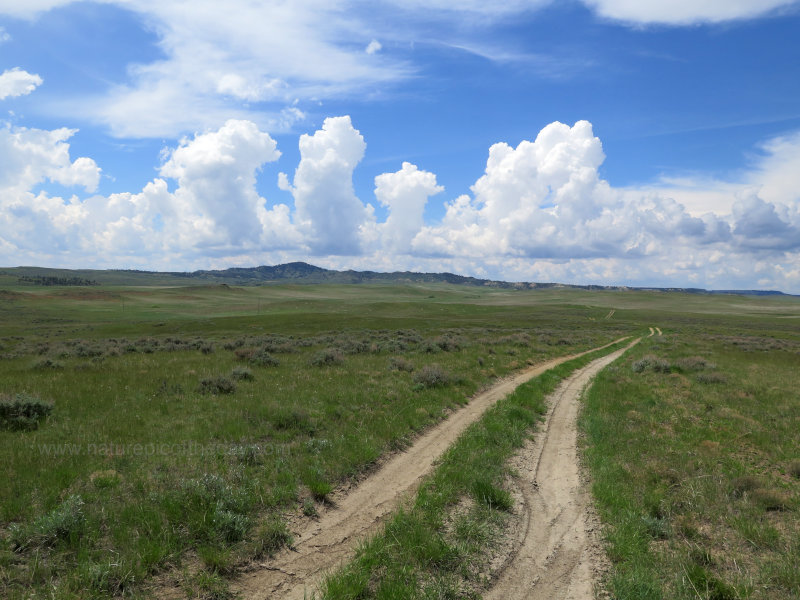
x,y
327,543
555,554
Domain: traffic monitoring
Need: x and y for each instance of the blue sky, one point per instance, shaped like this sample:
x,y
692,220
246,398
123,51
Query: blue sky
x,y
592,141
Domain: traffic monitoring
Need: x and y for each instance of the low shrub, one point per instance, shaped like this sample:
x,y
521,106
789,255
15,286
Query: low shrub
x,y
242,374
432,376
398,363
262,358
217,385
22,412
693,363
47,364
327,357
659,365
711,378
64,523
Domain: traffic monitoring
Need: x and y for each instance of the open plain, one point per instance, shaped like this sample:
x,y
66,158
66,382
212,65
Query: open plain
x,y
189,436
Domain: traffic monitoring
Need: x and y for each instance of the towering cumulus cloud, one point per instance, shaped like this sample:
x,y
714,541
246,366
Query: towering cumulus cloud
x,y
216,200
405,193
544,199
327,211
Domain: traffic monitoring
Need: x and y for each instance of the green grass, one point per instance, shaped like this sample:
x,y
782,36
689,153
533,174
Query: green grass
x,y
172,452
692,458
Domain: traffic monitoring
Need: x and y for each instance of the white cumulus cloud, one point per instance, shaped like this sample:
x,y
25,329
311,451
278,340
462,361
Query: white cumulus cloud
x,y
31,156
17,82
539,212
328,213
405,193
545,199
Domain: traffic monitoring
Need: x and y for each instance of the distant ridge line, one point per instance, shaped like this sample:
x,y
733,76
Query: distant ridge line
x,y
305,273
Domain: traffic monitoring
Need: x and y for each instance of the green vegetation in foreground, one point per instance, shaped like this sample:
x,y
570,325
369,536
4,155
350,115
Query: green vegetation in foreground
x,y
438,547
693,442
184,425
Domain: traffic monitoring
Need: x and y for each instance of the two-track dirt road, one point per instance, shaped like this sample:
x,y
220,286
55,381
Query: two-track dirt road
x,y
328,542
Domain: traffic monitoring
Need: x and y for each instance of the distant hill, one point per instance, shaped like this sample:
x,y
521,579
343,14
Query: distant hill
x,y
298,272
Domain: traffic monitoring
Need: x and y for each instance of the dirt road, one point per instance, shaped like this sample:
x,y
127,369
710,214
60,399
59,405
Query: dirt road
x,y
556,555
326,543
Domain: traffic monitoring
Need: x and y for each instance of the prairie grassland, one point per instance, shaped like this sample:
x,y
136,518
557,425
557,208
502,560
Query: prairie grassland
x,y
693,443
188,424
693,440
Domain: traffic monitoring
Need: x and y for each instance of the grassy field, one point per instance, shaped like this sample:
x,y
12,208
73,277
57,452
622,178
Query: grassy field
x,y
692,440
187,423
694,446
179,427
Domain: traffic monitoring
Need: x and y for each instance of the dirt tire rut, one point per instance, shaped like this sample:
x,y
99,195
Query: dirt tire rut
x,y
557,554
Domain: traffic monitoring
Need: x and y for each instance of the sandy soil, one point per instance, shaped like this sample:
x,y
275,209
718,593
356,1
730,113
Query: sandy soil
x,y
326,543
557,553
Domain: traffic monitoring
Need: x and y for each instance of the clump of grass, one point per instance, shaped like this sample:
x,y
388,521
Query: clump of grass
x,y
794,469
327,357
309,508
485,492
22,412
317,484
230,526
216,559
217,385
46,364
242,374
207,585
713,587
744,484
432,376
710,378
271,535
213,511
770,499
248,454
398,363
66,522
293,419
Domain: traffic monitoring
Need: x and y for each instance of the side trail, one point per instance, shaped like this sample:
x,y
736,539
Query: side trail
x,y
325,544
